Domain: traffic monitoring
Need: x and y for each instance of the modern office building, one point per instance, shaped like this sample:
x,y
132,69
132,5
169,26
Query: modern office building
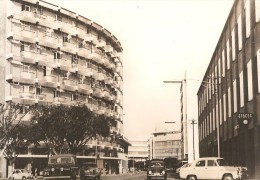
x,y
138,151
228,98
166,145
50,55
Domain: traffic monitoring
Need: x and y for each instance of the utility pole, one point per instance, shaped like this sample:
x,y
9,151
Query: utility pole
x,y
193,122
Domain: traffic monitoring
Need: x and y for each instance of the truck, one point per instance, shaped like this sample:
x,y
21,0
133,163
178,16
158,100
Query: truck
x,y
61,166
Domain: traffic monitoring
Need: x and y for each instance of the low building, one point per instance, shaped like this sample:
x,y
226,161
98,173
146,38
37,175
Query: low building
x,y
166,145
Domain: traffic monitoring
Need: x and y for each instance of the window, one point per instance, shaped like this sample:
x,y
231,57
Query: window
x,y
88,30
26,8
219,69
249,80
233,44
38,90
228,59
220,111
99,36
200,163
212,163
241,80
258,68
239,31
229,102
235,95
74,97
56,93
247,14
65,39
223,63
224,107
57,55
58,18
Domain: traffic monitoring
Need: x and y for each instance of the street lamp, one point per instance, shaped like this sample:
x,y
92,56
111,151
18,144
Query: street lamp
x,y
184,110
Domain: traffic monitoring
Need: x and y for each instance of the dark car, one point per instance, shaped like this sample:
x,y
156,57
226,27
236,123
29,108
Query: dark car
x,y
156,169
90,170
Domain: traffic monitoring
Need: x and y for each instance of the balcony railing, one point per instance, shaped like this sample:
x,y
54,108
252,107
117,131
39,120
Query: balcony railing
x,y
28,17
85,89
83,52
106,61
68,47
45,20
108,48
49,41
28,36
28,57
98,92
64,27
64,64
27,98
49,81
69,85
83,70
27,77
46,60
60,100
97,58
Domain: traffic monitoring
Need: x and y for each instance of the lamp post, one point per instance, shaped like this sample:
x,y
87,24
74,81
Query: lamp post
x,y
184,111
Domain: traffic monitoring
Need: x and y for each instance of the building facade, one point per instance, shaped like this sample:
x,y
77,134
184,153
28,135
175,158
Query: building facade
x,y
50,55
166,145
228,98
138,151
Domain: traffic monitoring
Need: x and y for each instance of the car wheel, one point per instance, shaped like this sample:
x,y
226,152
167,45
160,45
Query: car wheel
x,y
148,178
227,177
192,177
23,177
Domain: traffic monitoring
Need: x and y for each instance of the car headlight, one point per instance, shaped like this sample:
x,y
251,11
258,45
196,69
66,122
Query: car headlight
x,y
61,169
52,169
163,172
150,172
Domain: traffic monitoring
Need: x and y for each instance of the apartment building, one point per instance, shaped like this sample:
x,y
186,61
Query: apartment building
x,y
50,55
166,145
228,98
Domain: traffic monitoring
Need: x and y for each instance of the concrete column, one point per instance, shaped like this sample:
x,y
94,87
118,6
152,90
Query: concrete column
x,y
3,168
257,151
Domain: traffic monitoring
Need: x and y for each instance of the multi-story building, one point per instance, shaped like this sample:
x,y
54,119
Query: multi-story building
x,y
50,55
138,151
166,145
228,98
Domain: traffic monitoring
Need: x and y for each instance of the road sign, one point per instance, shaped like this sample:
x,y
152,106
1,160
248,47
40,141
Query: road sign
x,y
245,116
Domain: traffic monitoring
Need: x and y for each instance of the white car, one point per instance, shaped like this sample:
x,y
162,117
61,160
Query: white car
x,y
212,168
21,174
183,166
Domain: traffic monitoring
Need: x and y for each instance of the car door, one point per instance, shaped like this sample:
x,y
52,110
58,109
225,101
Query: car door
x,y
211,169
199,169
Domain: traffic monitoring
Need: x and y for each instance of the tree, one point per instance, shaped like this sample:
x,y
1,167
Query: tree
x,y
13,131
68,128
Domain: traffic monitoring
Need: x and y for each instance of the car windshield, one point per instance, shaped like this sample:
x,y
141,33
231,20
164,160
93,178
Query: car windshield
x,y
156,164
222,162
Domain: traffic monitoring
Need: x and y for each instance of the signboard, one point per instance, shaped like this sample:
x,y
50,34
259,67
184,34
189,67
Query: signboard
x,y
244,118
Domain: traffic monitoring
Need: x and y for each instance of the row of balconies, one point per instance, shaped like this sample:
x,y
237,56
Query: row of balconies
x,y
67,84
52,42
29,98
63,64
61,26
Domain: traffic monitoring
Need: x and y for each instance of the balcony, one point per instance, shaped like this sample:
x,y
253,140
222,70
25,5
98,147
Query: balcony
x,y
69,85
49,81
44,20
99,111
63,27
49,41
79,32
108,48
28,17
27,98
98,92
28,57
41,99
106,95
64,64
28,36
60,100
106,61
109,80
85,89
45,60
68,47
88,38
84,52
97,58
100,76
100,43
27,77
83,70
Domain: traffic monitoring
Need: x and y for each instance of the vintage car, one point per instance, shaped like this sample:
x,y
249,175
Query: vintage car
x,y
21,174
156,169
183,166
61,166
90,170
212,168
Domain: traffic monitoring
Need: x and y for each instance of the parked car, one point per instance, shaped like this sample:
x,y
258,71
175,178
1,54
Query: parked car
x,y
21,174
212,168
183,166
90,170
156,169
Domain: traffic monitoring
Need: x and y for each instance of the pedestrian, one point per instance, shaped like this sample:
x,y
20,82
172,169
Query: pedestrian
x,y
35,173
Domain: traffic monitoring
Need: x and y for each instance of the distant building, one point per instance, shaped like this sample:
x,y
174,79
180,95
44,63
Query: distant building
x,y
165,144
138,150
228,98
50,55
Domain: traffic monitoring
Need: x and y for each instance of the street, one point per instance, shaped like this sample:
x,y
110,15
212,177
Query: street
x,y
141,176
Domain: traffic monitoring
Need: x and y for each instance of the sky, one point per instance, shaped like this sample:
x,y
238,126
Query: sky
x,y
161,40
